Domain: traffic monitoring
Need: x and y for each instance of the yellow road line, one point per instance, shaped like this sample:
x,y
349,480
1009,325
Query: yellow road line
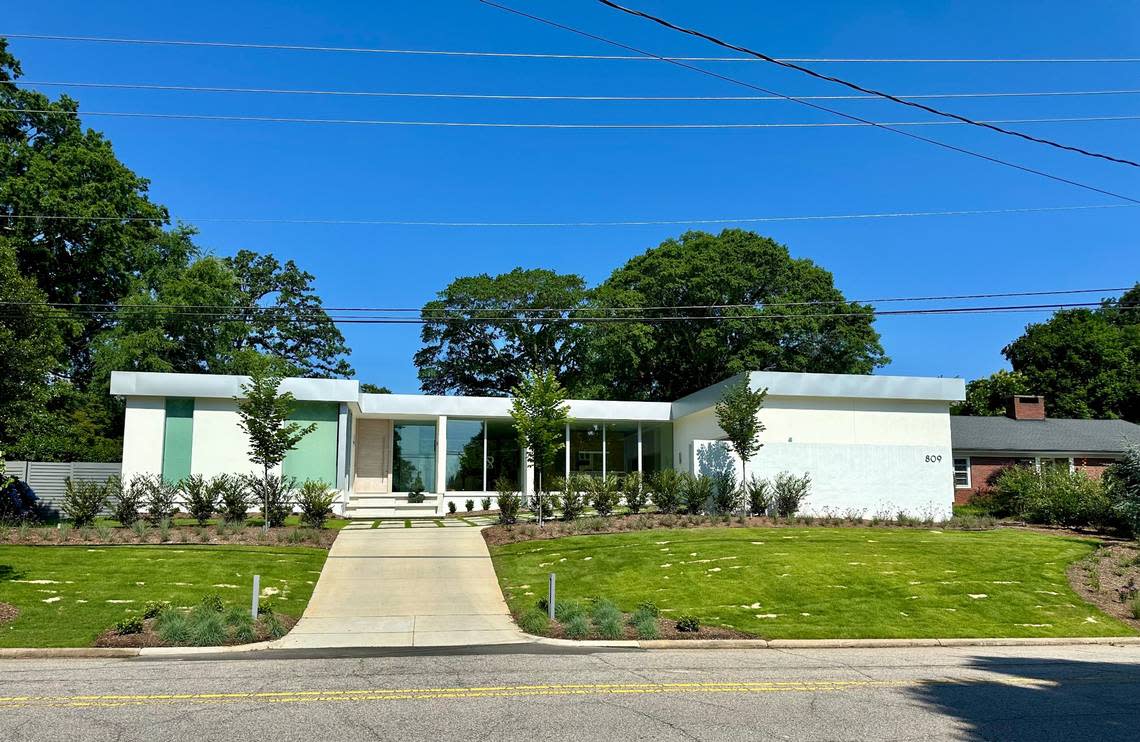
x,y
498,691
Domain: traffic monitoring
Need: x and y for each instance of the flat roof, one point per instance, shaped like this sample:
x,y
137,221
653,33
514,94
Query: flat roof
x,y
854,386
779,384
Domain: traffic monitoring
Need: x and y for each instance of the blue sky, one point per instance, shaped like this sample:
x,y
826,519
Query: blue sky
x,y
221,169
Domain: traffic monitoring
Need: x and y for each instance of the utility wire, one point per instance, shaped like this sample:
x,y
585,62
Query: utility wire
x,y
583,224
520,310
525,97
810,104
541,55
524,125
869,91
236,315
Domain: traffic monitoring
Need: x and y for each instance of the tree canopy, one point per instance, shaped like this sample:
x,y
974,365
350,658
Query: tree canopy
x,y
774,305
484,333
989,395
78,230
1086,362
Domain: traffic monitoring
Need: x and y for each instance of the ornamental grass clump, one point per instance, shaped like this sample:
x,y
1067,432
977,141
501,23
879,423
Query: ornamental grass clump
x,y
535,621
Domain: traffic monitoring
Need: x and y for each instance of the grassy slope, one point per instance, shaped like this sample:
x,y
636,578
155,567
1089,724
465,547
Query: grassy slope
x,y
138,573
850,582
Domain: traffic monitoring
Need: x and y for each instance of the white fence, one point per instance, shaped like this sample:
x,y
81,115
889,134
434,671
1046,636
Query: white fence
x,y
46,478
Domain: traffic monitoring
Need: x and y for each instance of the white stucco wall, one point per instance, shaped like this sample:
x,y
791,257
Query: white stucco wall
x,y
865,455
220,445
143,429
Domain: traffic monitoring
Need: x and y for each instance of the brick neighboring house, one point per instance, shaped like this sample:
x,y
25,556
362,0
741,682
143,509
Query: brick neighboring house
x,y
984,446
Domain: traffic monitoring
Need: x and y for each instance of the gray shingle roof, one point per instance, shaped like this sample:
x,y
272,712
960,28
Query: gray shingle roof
x,y
1052,436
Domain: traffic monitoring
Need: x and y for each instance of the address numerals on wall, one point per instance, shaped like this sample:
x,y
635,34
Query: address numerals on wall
x,y
933,458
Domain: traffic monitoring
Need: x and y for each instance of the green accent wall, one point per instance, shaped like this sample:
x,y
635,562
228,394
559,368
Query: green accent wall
x,y
177,439
315,456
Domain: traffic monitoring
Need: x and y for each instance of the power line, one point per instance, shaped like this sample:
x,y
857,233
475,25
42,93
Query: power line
x,y
544,55
522,310
526,97
811,104
868,91
559,125
232,315
583,224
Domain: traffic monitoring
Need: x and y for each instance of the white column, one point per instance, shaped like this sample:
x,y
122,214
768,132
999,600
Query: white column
x,y
566,441
605,453
441,461
640,467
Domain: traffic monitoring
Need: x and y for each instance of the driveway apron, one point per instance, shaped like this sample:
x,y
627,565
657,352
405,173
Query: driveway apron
x,y
417,587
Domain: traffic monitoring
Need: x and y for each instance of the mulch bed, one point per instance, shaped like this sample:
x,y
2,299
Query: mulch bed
x,y
1110,580
8,613
666,629
174,536
149,638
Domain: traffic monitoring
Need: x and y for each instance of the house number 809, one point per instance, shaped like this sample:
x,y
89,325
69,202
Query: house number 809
x,y
933,458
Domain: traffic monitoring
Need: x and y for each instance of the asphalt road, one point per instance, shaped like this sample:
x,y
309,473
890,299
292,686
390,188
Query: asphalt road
x,y
535,694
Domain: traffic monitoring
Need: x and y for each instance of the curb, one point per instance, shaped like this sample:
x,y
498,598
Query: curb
x,y
39,653
878,643
174,651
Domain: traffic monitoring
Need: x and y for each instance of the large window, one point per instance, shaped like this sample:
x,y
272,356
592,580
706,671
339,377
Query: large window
x,y
621,448
413,456
586,452
465,455
656,447
504,457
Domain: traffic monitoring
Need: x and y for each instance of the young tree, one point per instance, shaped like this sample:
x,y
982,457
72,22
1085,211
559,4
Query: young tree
x,y
737,413
265,419
540,413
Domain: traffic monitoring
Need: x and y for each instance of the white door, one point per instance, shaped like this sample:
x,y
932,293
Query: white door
x,y
373,456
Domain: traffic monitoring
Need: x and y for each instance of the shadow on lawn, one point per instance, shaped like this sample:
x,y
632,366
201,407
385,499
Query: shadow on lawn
x,y
1061,700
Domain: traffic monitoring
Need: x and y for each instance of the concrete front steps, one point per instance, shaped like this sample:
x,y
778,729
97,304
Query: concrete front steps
x,y
390,506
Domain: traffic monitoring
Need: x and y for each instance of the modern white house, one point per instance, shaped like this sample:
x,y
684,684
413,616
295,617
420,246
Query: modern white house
x,y
870,443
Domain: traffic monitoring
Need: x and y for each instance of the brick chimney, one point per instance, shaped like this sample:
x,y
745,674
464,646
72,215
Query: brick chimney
x,y
1026,407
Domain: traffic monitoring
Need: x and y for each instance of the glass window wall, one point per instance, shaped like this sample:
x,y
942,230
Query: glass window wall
x,y
413,456
464,455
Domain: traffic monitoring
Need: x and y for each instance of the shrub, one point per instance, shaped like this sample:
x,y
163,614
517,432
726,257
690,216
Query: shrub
x,y
140,529
160,498
200,497
264,608
207,629
416,493
83,500
636,495
1123,485
789,492
508,501
18,503
535,621
315,501
128,501
274,495
574,498
759,496
726,496
451,506
469,505
695,493
274,627
688,624
577,626
153,608
233,497
485,503
211,602
129,625
610,627
1052,496
604,494
173,627
666,490
646,628
566,610
646,610
603,610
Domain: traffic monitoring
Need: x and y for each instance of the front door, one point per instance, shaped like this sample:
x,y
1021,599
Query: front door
x,y
373,456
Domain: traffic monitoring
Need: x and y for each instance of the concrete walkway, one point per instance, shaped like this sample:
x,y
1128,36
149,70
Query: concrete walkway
x,y
416,587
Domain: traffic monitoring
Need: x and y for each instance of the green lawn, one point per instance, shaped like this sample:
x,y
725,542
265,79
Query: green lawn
x,y
815,583
67,595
